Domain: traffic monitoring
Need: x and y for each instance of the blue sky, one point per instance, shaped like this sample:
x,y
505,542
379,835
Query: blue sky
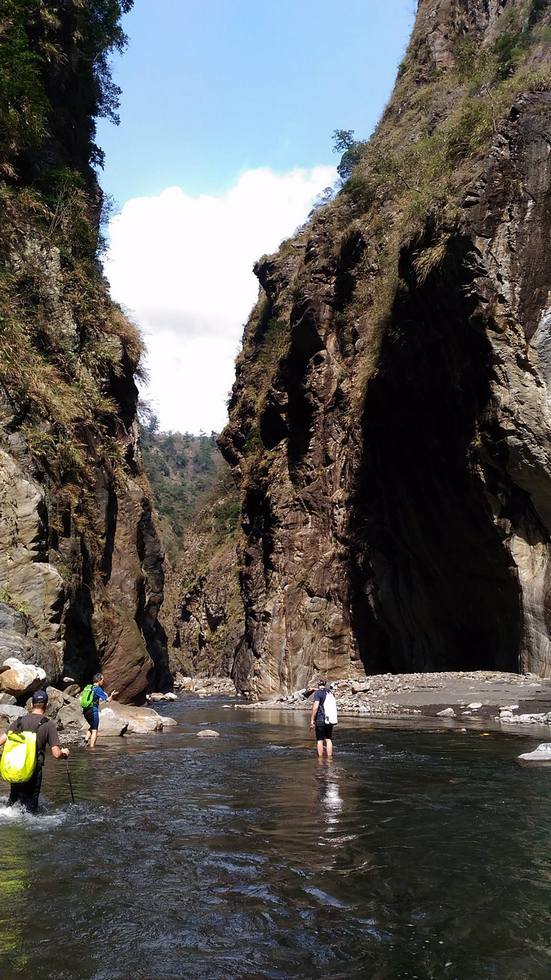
x,y
215,87
227,115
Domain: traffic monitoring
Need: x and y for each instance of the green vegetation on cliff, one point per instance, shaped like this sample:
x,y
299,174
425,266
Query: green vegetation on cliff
x,y
62,375
187,474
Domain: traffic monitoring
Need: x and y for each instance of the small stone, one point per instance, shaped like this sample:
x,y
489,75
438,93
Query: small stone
x,y
446,713
208,733
475,705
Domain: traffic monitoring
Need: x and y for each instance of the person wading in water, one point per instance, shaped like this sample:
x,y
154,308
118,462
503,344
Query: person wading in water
x,y
91,714
324,732
27,793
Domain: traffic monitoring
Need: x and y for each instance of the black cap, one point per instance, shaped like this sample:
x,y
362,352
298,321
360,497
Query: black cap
x,y
40,697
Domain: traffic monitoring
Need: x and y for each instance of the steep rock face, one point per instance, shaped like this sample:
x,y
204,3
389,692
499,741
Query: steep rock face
x,y
81,566
390,419
204,608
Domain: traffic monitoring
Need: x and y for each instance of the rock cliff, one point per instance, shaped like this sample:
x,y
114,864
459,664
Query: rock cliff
x,y
204,612
390,423
81,566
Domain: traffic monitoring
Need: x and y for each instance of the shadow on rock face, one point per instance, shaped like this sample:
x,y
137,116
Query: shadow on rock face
x,y
434,587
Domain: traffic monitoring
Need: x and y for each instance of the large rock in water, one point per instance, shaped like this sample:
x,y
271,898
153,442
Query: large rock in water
x,y
133,721
390,423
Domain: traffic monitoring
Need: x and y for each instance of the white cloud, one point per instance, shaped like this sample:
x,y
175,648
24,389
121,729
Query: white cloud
x,y
183,267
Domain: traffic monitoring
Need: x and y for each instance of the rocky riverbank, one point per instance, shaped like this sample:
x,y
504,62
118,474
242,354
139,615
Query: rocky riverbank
x,y
65,710
495,699
203,686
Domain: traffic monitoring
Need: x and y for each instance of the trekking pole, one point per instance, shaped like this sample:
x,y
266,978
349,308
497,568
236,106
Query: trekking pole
x,y
70,781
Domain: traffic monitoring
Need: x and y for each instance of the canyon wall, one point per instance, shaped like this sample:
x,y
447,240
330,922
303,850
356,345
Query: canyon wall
x,y
81,564
390,420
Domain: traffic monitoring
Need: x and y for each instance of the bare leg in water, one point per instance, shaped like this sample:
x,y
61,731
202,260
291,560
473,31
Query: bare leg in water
x,y
328,747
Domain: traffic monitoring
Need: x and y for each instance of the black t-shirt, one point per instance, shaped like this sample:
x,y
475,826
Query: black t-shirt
x,y
46,733
320,696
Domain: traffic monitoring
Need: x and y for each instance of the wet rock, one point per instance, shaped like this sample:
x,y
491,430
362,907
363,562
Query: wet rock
x,y
208,733
168,722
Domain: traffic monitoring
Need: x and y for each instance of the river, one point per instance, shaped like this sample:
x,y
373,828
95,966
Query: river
x,y
412,855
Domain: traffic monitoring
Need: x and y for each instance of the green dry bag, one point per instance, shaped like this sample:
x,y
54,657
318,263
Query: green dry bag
x,y
18,761
87,697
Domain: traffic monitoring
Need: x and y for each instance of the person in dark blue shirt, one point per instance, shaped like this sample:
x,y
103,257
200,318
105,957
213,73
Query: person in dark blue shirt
x,y
324,732
92,714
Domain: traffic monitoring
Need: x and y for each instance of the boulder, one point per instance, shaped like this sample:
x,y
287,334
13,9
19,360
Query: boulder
x,y
30,650
208,733
19,679
70,717
7,699
64,710
111,722
446,713
73,690
11,712
168,722
137,721
158,696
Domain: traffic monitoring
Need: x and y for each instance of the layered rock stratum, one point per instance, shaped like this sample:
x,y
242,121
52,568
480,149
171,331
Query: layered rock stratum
x,y
81,564
390,423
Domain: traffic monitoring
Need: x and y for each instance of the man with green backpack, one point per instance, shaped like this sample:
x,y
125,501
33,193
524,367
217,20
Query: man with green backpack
x,y
90,698
24,753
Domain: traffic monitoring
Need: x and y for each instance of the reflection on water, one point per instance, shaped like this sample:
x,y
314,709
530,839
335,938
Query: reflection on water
x,y
408,855
329,798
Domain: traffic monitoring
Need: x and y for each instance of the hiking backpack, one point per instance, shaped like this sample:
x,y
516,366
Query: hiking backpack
x,y
19,757
330,709
87,697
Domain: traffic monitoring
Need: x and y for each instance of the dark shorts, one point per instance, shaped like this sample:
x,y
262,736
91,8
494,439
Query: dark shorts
x,y
27,793
324,731
92,717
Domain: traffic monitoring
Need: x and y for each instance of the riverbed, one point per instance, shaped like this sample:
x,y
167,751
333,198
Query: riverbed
x,y
414,854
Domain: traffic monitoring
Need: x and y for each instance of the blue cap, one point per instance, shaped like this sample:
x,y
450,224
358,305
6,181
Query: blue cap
x,y
40,697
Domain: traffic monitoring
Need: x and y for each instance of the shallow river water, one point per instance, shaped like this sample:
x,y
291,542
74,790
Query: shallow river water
x,y
412,855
